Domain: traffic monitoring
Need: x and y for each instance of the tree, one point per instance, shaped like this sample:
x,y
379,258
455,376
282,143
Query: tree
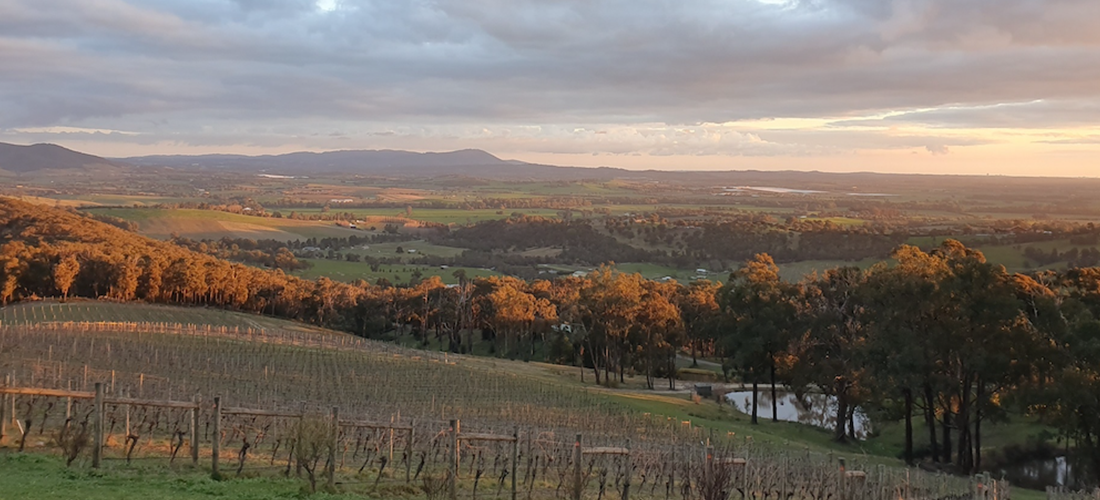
x,y
64,273
698,304
831,353
759,315
611,302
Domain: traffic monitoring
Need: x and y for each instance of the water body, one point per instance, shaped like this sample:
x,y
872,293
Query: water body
x,y
777,190
817,410
1037,474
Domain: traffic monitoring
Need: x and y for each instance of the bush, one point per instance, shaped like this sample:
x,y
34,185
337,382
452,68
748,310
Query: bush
x,y
312,443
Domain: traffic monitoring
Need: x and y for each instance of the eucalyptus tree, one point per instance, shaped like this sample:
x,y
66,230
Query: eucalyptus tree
x,y
759,313
831,352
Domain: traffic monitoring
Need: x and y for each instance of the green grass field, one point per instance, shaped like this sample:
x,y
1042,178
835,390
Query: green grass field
x,y
41,477
213,224
342,270
97,311
419,248
438,215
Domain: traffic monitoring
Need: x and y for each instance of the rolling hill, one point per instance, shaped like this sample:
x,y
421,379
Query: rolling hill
x,y
38,158
466,162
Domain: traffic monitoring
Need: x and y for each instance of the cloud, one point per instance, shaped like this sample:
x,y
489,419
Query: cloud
x,y
190,69
937,149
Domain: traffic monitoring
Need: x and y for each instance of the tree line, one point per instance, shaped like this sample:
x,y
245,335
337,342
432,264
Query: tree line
x,y
941,337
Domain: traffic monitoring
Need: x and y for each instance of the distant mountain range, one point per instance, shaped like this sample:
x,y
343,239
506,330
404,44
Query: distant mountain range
x,y
52,160
43,157
47,159
466,162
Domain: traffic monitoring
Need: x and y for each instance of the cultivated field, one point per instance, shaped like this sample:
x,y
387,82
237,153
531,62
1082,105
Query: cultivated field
x,y
213,224
272,381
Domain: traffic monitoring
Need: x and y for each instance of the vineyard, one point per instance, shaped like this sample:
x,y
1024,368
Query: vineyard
x,y
92,311
378,418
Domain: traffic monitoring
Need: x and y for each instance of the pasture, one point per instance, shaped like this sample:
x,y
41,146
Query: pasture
x,y
342,270
455,216
212,224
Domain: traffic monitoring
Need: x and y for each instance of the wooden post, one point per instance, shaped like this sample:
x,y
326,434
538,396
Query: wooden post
x,y
298,444
195,433
708,463
515,459
408,453
332,447
453,461
97,426
577,458
4,409
629,467
126,393
216,440
672,475
69,404
843,480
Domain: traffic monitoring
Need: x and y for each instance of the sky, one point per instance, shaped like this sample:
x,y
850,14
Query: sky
x,y
1009,87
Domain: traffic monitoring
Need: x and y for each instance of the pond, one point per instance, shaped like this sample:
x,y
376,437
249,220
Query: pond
x,y
1037,474
817,410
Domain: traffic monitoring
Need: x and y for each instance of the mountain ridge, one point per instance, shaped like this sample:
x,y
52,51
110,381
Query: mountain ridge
x,y
32,158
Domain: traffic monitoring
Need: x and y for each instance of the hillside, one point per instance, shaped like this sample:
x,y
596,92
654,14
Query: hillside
x,y
39,158
467,162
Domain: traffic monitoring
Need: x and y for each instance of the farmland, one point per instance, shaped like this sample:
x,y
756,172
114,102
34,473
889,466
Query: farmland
x,y
395,273
211,224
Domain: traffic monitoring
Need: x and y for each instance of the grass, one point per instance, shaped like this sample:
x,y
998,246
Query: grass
x,y
840,221
421,248
342,270
77,310
213,224
41,477
438,215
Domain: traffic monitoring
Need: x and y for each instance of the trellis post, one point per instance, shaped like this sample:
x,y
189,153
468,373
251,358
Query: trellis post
x,y
4,409
672,475
195,432
408,453
843,479
332,447
577,468
453,465
68,408
515,459
97,425
298,444
216,441
629,467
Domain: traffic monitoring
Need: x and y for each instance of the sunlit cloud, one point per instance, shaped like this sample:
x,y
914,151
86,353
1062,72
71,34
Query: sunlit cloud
x,y
913,85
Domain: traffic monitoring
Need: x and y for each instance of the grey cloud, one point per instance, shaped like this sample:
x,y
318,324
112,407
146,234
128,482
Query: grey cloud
x,y
180,62
1031,115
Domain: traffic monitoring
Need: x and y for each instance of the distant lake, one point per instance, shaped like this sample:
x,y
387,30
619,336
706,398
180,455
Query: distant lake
x,y
817,410
773,190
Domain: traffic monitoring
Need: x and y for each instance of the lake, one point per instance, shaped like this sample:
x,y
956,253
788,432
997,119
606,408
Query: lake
x,y
1039,473
817,410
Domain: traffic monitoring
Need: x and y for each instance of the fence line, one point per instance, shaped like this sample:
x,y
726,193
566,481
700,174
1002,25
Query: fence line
x,y
468,460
